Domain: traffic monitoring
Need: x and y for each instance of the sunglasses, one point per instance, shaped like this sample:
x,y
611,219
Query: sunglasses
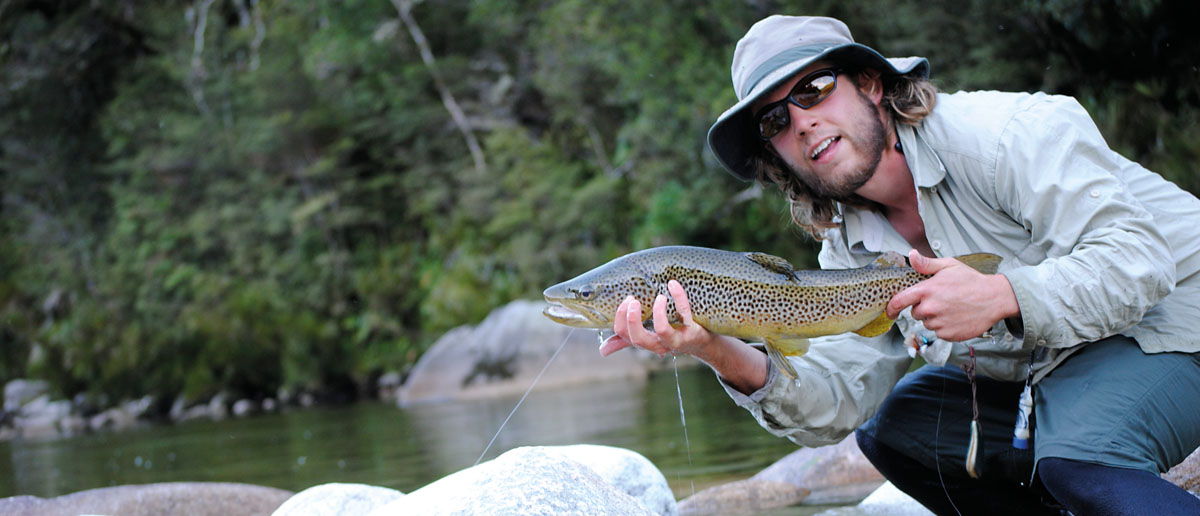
x,y
808,92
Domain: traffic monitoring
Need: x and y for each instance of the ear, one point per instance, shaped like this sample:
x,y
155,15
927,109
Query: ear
x,y
870,82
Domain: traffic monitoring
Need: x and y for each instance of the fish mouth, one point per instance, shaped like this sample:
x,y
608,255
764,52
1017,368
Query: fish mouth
x,y
572,316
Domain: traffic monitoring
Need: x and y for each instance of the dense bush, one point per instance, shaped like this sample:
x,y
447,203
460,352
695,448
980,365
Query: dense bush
x,y
251,196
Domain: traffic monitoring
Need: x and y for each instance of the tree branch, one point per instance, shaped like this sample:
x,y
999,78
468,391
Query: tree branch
x,y
456,112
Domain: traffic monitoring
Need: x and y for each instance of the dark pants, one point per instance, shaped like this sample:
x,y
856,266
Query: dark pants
x,y
1108,419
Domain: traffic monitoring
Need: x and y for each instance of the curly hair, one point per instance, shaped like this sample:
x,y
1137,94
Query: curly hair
x,y
909,98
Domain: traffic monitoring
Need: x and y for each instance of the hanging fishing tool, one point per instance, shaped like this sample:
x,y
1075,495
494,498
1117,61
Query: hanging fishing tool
x,y
975,448
1022,431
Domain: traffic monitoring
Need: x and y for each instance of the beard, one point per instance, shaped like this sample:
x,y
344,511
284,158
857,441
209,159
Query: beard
x,y
870,137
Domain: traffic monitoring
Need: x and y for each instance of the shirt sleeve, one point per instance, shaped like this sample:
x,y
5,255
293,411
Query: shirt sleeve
x,y
1107,263
842,381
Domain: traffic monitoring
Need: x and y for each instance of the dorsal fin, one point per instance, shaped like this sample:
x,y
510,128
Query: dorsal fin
x,y
889,259
773,263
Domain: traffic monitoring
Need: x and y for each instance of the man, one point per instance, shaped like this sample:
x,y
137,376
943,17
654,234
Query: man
x,y
1095,304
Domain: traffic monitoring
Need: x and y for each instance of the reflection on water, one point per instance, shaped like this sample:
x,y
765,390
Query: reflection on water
x,y
404,449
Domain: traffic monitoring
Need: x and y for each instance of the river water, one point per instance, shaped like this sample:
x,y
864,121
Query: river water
x,y
406,448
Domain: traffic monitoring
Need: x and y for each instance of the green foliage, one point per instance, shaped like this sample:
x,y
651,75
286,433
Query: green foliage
x,y
289,204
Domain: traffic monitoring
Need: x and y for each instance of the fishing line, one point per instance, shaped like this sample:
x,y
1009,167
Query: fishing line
x,y
682,420
523,396
937,461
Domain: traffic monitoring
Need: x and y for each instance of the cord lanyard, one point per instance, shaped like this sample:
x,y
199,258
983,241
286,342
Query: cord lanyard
x,y
1021,432
973,449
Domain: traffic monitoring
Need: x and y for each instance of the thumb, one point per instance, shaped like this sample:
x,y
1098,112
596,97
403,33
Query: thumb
x,y
927,265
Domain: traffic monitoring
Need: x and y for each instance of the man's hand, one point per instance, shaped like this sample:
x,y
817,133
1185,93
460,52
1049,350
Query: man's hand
x,y
742,366
690,338
958,302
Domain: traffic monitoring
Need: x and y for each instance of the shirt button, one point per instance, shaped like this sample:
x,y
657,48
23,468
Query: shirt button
x,y
935,245
1041,342
1094,193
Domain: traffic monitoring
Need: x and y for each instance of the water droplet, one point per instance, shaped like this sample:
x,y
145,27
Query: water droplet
x,y
603,335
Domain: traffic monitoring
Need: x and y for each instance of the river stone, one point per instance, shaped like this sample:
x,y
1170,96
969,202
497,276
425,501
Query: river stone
x,y
19,392
626,470
748,496
889,500
836,474
1186,474
336,499
503,354
190,498
528,481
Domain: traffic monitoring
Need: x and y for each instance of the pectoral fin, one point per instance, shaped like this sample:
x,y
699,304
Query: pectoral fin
x,y
779,349
877,327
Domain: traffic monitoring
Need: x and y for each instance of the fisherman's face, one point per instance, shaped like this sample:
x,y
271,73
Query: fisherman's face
x,y
835,145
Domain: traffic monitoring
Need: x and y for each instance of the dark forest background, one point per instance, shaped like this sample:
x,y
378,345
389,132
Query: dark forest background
x,y
250,196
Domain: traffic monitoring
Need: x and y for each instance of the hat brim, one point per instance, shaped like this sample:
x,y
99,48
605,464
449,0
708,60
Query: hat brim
x,y
732,137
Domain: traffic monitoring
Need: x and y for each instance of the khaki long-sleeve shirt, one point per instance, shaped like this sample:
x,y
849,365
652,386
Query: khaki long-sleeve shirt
x,y
1093,244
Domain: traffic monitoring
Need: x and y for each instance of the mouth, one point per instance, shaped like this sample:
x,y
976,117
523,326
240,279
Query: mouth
x,y
821,147
570,317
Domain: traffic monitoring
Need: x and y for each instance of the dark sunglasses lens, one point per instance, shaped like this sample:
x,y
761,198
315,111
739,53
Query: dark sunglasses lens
x,y
809,93
773,121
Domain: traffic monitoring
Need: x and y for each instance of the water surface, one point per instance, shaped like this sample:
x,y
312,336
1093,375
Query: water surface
x,y
406,448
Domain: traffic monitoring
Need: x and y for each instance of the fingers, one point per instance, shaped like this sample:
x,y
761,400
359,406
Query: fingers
x,y
682,305
904,299
926,265
612,345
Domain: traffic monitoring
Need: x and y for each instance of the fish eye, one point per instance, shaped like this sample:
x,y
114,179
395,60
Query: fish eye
x,y
586,292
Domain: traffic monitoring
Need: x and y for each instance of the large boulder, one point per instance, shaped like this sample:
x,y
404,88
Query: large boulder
x,y
835,474
337,499
191,498
826,475
529,481
626,470
503,354
742,497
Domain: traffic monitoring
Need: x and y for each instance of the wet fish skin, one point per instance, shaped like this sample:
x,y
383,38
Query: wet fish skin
x,y
754,296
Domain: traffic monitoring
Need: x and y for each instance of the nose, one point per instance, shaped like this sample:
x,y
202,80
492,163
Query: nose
x,y
802,120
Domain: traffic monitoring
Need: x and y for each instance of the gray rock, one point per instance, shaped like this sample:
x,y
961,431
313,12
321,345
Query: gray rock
x,y
388,386
891,501
826,475
1186,474
337,499
243,408
218,406
19,392
626,470
40,418
524,481
270,405
836,474
190,498
742,497
116,418
503,354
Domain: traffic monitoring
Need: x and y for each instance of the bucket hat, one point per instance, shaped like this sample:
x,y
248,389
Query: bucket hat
x,y
772,51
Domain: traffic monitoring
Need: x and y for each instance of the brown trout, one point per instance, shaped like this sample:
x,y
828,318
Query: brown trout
x,y
754,296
